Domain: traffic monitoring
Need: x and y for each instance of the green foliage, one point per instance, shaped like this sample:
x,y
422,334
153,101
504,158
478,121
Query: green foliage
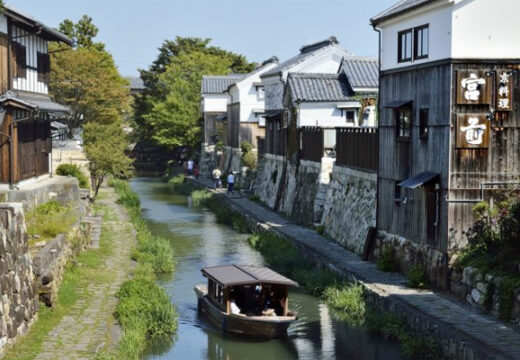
x,y
249,160
226,216
386,261
105,148
320,229
255,198
144,309
246,147
418,277
200,197
349,301
50,219
179,184
168,111
86,79
506,296
74,171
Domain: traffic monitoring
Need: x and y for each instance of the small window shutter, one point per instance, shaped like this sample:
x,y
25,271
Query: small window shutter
x,y
44,68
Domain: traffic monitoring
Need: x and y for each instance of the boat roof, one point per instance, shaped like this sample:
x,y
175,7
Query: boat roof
x,y
232,275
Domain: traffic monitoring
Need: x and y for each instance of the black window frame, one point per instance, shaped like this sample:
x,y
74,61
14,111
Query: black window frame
x,y
398,127
424,123
400,34
398,193
422,54
347,111
43,67
20,53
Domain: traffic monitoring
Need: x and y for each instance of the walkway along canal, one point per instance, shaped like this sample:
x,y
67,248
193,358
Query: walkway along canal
x,y
198,242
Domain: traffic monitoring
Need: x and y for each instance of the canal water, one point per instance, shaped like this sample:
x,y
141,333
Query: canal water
x,y
198,242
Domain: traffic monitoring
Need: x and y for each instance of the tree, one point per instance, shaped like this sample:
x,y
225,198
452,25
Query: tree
x,y
86,79
105,147
167,112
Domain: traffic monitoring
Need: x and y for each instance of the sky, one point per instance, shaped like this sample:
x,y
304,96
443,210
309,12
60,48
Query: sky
x,y
134,30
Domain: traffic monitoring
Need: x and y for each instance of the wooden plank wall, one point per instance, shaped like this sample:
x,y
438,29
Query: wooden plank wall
x,y
499,163
233,125
311,146
358,148
249,132
210,127
4,78
427,88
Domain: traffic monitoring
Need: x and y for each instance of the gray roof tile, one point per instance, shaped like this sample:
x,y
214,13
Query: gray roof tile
x,y
318,87
398,9
219,84
361,72
135,83
306,52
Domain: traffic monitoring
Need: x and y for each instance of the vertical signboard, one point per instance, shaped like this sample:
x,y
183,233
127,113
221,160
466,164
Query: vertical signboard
x,y
504,91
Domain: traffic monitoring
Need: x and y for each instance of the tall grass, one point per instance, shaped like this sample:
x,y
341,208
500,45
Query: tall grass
x,y
50,219
144,309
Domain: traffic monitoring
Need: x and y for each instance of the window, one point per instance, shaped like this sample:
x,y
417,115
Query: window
x,y
423,123
351,117
20,58
421,42
405,46
397,192
260,92
413,44
44,67
403,122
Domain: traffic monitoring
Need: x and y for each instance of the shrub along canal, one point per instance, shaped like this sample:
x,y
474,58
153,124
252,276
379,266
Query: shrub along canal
x,y
198,241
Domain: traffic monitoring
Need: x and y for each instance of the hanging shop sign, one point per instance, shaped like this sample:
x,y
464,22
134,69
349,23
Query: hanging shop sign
x,y
473,87
472,131
504,90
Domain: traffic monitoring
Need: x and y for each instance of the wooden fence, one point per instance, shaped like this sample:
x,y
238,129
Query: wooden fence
x,y
357,147
311,145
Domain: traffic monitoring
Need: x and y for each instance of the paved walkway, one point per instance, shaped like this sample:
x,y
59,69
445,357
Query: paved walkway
x,y
90,324
484,335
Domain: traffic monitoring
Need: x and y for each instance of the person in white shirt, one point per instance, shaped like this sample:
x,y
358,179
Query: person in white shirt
x,y
234,307
216,177
231,183
190,167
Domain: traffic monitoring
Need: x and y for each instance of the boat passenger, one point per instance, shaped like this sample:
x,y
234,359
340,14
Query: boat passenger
x,y
234,307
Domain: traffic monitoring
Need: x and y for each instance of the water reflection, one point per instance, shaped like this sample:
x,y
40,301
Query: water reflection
x,y
199,242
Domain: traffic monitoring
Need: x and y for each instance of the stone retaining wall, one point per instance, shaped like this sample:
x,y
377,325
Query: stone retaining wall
x,y
350,207
18,285
483,291
269,178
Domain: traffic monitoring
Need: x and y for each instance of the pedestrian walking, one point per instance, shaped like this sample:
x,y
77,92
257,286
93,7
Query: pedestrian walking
x,y
190,167
196,172
216,174
230,183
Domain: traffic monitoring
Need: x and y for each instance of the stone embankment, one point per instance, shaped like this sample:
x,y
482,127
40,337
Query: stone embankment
x,y
463,333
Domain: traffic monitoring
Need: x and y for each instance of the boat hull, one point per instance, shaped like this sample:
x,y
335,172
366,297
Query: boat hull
x,y
254,326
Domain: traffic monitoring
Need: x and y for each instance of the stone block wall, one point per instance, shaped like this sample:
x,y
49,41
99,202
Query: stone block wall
x,y
350,207
18,286
269,178
483,291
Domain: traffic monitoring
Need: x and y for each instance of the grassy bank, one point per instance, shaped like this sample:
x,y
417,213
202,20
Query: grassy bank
x,y
86,269
350,300
144,309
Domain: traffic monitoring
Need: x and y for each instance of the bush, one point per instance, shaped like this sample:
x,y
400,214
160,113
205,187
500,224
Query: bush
x,y
249,160
320,229
418,277
179,185
50,219
255,198
387,261
200,197
246,147
74,171
349,300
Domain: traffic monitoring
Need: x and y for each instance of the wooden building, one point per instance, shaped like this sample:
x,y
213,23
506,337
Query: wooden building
x,y
449,119
26,109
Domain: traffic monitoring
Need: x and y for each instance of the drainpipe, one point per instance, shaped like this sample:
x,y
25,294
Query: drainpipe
x,y
378,119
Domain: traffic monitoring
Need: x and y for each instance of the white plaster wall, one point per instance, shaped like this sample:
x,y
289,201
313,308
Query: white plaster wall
x,y
3,24
325,61
215,102
321,114
248,95
486,29
439,19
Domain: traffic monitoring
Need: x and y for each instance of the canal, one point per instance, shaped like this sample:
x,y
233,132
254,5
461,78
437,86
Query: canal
x,y
198,242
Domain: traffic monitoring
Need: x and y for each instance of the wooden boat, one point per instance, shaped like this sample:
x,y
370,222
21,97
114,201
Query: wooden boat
x,y
259,293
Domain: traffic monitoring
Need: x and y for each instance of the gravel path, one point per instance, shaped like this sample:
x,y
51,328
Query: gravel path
x,y
90,325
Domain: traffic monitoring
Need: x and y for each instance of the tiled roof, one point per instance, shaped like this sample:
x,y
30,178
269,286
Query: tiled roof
x,y
218,84
306,52
398,9
136,83
362,72
318,87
